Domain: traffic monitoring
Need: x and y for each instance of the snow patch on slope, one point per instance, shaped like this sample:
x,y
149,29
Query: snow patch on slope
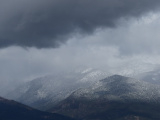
x,y
86,70
93,76
120,88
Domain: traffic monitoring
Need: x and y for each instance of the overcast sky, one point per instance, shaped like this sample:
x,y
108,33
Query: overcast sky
x,y
39,37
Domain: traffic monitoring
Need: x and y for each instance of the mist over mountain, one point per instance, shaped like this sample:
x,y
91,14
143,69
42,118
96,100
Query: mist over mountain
x,y
44,42
91,94
151,76
47,91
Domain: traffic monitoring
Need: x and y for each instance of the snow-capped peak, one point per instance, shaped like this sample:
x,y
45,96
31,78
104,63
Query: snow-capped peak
x,y
86,70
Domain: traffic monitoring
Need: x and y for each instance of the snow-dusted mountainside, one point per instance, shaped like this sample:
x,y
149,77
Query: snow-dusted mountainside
x,y
44,92
133,68
121,88
113,98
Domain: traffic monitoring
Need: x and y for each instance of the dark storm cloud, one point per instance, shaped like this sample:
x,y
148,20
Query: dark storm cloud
x,y
47,23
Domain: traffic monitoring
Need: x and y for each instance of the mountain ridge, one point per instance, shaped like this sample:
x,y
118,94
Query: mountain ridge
x,y
113,98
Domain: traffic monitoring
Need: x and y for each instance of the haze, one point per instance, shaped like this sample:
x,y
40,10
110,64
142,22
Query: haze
x,y
39,37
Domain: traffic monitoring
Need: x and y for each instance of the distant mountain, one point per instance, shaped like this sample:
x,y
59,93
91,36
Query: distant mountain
x,y
11,110
122,88
151,76
45,92
113,98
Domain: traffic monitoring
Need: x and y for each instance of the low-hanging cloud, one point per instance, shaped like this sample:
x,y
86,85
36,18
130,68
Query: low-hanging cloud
x,y
48,23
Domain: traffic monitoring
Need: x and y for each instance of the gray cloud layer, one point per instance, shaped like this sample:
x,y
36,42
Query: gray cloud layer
x,y
47,23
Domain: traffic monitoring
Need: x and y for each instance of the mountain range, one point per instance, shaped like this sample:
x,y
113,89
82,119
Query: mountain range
x,y
44,92
94,95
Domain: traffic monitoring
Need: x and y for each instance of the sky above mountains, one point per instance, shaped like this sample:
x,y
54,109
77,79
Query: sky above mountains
x,y
39,37
48,23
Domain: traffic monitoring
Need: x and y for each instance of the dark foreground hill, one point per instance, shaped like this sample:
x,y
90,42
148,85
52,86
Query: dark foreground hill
x,y
11,110
113,98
